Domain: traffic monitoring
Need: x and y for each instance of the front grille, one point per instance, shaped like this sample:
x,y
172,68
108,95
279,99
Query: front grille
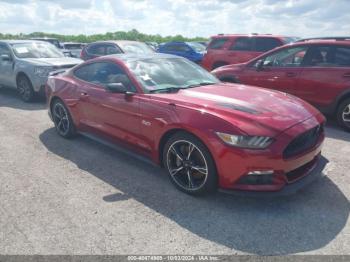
x,y
303,142
295,174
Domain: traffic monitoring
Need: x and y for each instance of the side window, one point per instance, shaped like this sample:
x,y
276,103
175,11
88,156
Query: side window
x,y
103,73
112,49
243,44
289,57
342,57
320,56
98,49
169,48
217,43
4,50
83,72
182,48
263,44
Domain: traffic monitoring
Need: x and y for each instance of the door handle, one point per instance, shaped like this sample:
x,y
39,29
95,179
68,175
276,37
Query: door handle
x,y
346,75
291,74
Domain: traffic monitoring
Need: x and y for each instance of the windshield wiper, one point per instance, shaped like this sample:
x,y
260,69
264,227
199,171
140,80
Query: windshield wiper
x,y
165,90
176,89
200,84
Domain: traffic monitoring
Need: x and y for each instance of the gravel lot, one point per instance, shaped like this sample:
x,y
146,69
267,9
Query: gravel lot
x,y
82,197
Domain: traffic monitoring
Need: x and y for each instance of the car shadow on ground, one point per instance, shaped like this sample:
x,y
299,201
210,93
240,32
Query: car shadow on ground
x,y
302,222
334,131
9,98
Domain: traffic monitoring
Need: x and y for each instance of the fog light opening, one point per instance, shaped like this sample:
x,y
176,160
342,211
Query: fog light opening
x,y
261,172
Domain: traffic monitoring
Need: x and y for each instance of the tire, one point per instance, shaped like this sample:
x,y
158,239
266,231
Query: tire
x,y
218,64
343,114
25,89
194,175
62,119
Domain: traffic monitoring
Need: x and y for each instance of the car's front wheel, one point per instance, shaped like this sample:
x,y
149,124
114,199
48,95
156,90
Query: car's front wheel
x,y
343,114
62,119
190,165
25,88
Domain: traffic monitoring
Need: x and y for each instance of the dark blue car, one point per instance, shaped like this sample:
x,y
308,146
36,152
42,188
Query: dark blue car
x,y
191,50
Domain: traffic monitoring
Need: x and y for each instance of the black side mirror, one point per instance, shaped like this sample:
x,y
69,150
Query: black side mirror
x,y
6,57
119,88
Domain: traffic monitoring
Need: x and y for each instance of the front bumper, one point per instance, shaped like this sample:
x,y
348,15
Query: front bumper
x,y
234,164
289,189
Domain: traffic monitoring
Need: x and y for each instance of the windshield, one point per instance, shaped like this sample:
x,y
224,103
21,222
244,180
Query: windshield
x,y
36,50
135,48
197,47
176,73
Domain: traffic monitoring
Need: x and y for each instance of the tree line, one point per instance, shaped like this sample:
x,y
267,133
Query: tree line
x,y
119,35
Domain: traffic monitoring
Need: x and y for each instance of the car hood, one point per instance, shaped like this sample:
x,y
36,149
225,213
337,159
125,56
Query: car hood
x,y
253,110
58,62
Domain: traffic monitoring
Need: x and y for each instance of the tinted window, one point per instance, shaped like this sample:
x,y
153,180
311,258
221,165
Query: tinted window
x,y
320,56
112,49
4,50
243,44
266,44
288,57
103,73
342,56
96,49
217,43
176,48
167,48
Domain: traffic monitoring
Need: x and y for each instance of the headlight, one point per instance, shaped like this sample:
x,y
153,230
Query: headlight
x,y
42,71
252,142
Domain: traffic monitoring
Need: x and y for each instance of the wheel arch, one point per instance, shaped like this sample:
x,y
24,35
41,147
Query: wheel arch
x,y
345,95
169,133
20,74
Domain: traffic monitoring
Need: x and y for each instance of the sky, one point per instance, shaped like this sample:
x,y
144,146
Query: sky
x,y
304,18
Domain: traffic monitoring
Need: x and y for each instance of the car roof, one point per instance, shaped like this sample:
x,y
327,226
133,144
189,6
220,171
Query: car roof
x,y
249,35
19,41
133,57
321,42
43,38
114,42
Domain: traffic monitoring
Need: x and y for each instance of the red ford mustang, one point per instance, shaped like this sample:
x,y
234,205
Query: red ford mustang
x,y
207,134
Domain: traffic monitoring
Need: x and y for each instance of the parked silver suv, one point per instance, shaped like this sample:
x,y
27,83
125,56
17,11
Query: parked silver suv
x,y
26,64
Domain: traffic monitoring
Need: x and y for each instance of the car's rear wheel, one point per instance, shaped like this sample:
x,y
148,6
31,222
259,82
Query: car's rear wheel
x,y
343,114
62,120
190,166
25,88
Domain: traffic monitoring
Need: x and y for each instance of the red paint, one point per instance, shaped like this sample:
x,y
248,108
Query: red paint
x,y
226,56
141,120
322,86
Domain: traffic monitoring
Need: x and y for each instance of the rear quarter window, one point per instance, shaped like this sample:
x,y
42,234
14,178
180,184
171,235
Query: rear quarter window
x,y
342,56
243,44
265,44
217,43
